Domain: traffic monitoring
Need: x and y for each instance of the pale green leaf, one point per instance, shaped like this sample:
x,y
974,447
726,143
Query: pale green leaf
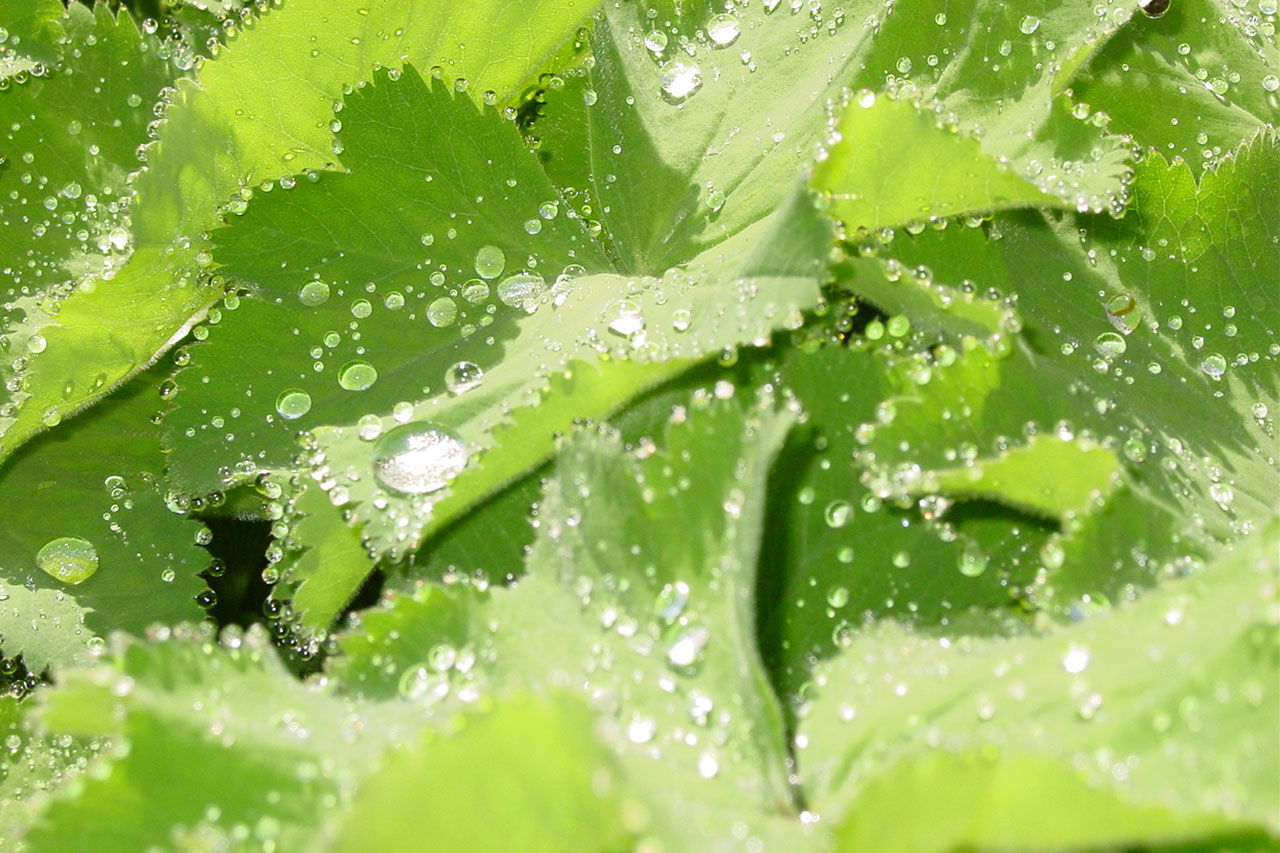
x,y
1165,704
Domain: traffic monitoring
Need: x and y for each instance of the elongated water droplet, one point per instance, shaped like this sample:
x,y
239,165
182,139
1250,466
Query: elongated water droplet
x,y
70,559
416,459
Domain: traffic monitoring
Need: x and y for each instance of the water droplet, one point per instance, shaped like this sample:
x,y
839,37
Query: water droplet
x,y
1135,450
522,290
490,262
357,375
838,513
442,312
641,730
681,319
475,291
1155,8
313,293
361,308
838,596
973,562
462,377
1075,660
1052,556
688,646
723,30
671,601
1123,314
70,559
656,41
1214,366
1109,345
1029,25
417,459
293,404
679,79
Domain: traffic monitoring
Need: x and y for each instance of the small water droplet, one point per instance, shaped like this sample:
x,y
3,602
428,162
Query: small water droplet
x,y
1214,366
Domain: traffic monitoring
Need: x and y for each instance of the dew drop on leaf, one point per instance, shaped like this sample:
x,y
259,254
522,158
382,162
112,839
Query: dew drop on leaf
x,y
357,375
838,513
679,80
723,30
972,562
293,404
1109,345
490,262
1214,366
417,459
462,377
475,291
70,559
442,312
522,290
313,293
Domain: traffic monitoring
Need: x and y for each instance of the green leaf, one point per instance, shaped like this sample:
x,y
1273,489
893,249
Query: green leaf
x,y
674,140
260,112
1165,704
33,37
324,564
838,551
71,138
655,628
1168,341
1193,83
93,483
44,626
551,350
32,764
1019,802
559,789
894,163
194,716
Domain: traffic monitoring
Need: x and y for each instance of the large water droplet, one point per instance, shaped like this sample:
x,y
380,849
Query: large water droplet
x,y
293,404
70,559
490,262
417,459
357,375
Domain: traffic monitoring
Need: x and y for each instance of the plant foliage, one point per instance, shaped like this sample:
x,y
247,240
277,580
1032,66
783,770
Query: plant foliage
x,y
655,424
